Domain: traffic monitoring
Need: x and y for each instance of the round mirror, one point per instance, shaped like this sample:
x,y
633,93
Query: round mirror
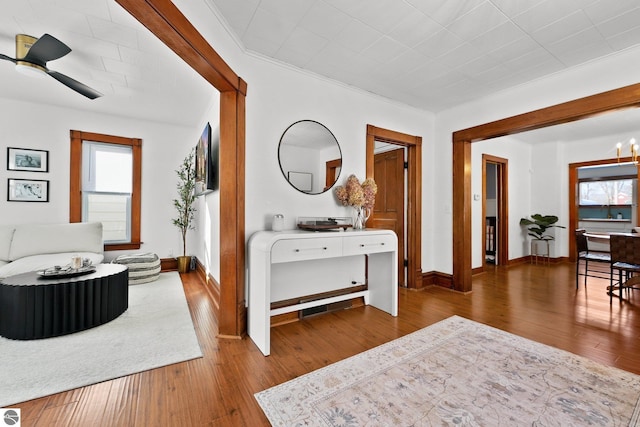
x,y
310,157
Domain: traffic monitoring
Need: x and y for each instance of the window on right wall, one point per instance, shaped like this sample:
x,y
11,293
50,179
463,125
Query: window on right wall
x,y
606,192
607,198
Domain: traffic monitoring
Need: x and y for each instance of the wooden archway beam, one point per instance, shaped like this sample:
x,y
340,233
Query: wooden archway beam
x,y
582,108
167,23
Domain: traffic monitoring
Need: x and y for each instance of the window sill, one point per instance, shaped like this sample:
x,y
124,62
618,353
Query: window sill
x,y
121,246
604,220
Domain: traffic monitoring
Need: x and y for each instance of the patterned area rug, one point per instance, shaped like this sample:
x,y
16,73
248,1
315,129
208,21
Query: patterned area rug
x,y
458,372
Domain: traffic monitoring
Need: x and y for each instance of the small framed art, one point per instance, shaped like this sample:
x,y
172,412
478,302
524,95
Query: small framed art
x,y
27,190
26,159
303,181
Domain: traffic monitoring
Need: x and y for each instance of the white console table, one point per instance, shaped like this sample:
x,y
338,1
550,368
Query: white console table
x,y
295,263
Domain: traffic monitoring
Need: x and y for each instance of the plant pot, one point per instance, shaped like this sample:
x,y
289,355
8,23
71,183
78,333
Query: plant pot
x,y
184,264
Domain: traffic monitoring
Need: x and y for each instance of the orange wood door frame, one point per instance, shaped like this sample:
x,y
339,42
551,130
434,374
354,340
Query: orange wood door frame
x,y
414,193
169,25
582,108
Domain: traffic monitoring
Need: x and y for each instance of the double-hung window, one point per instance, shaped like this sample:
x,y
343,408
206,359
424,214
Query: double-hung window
x,y
105,186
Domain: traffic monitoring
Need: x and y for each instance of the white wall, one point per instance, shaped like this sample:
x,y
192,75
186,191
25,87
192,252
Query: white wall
x,y
27,125
279,96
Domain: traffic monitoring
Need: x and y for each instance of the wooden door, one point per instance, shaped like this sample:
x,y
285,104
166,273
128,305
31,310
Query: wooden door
x,y
388,212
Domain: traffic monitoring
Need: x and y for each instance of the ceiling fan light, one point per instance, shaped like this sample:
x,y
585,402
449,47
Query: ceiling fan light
x,y
31,70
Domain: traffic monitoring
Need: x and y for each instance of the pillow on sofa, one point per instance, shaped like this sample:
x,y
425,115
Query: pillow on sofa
x,y
41,239
6,235
40,262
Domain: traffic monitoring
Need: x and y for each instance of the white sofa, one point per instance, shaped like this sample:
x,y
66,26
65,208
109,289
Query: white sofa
x,y
31,247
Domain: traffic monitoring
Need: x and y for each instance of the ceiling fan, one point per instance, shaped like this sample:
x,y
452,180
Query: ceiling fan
x,y
32,55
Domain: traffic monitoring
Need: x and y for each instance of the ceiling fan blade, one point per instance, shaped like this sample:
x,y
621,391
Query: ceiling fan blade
x,y
46,48
75,85
7,58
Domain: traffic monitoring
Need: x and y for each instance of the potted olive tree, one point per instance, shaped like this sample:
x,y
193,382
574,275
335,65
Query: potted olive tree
x,y
184,205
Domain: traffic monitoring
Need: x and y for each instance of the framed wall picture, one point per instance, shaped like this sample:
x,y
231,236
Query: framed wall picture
x,y
27,190
26,159
303,181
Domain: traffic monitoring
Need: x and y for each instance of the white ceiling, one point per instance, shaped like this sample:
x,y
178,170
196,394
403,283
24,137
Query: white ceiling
x,y
432,54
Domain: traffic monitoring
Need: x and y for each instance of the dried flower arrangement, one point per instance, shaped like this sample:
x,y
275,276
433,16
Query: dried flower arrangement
x,y
356,194
361,196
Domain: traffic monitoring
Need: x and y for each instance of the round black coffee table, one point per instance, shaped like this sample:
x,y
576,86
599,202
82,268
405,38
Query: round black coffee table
x,y
32,307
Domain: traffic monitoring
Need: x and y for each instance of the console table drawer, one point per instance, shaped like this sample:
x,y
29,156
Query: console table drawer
x,y
359,245
305,249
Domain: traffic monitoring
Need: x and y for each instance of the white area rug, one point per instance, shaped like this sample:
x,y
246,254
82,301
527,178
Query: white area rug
x,y
458,372
156,330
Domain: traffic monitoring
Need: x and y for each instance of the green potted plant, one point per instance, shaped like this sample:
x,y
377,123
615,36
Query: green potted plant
x,y
538,225
184,205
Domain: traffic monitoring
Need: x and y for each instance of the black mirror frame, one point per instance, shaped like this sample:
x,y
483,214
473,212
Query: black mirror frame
x,y
285,173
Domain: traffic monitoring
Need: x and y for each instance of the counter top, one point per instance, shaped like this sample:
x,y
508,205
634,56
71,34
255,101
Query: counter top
x,y
604,220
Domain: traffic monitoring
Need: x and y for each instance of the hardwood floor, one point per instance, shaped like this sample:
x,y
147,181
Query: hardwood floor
x,y
533,301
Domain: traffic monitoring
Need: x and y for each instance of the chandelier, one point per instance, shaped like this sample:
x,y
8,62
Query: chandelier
x,y
633,148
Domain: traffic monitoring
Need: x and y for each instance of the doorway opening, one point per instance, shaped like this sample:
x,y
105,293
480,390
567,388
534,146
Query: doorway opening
x,y
495,212
578,109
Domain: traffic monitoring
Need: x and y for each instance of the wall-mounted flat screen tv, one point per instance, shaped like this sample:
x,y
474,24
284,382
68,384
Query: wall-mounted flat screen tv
x,y
207,167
